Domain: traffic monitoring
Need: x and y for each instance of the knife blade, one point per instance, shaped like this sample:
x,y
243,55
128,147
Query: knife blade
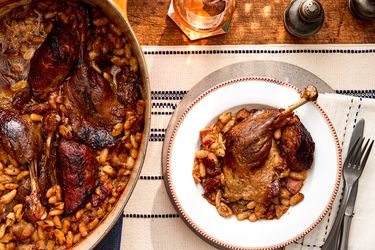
x,y
357,133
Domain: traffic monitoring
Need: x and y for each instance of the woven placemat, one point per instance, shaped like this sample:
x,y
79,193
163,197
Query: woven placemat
x,y
150,221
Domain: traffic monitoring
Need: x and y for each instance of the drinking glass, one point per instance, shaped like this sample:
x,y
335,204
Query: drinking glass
x,y
204,15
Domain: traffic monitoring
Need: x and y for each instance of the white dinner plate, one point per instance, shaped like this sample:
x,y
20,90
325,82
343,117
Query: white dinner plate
x,y
320,188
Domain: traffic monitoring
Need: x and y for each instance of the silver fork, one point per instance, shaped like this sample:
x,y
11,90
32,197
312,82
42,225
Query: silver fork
x,y
352,170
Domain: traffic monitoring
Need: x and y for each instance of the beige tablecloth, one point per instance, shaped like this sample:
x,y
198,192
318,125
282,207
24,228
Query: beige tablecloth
x,y
151,222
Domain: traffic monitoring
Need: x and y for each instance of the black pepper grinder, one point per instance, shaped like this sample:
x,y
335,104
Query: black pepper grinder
x,y
362,8
303,18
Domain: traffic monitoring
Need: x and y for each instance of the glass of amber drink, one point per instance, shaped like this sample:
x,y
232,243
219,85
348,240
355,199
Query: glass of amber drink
x,y
208,17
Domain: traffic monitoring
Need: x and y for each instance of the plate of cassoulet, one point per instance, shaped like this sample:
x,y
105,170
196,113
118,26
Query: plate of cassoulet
x,y
252,163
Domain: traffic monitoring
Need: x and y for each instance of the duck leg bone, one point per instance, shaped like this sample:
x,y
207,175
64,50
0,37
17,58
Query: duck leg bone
x,y
50,124
310,93
36,210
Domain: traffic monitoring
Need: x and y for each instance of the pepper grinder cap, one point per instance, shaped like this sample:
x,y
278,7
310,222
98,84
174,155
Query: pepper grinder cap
x,y
362,8
310,11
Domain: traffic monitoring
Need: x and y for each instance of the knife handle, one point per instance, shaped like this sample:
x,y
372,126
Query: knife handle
x,y
345,232
331,241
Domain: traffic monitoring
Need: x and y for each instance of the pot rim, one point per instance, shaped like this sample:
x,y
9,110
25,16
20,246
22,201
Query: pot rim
x,y
92,240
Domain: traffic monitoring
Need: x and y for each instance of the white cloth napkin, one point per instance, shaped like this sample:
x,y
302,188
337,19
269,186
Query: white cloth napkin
x,y
151,222
344,112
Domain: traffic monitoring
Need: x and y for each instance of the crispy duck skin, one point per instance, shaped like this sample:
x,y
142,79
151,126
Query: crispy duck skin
x,y
53,61
19,137
90,105
249,142
297,145
78,168
94,97
255,184
128,87
252,157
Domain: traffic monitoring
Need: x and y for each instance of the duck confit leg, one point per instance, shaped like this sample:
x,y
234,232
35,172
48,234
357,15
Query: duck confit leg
x,y
247,165
249,142
54,60
21,139
90,103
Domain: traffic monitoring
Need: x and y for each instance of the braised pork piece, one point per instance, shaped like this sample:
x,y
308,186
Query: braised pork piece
x,y
71,122
253,164
79,172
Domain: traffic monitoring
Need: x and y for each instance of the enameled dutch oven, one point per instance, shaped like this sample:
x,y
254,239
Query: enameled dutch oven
x,y
116,11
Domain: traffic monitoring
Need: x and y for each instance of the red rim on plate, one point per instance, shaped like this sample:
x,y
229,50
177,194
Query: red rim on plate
x,y
170,187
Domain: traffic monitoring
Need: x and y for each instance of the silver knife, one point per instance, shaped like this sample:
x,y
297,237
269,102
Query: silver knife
x,y
357,133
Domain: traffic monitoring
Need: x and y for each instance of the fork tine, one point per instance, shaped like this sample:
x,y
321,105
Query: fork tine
x,y
351,151
366,155
356,152
361,154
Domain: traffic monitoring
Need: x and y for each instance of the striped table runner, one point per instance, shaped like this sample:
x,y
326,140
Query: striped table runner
x,y
149,220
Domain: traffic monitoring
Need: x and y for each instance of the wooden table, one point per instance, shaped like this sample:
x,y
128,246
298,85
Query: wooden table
x,y
254,22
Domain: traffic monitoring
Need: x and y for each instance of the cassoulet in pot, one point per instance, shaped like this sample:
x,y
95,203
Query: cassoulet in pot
x,y
71,122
